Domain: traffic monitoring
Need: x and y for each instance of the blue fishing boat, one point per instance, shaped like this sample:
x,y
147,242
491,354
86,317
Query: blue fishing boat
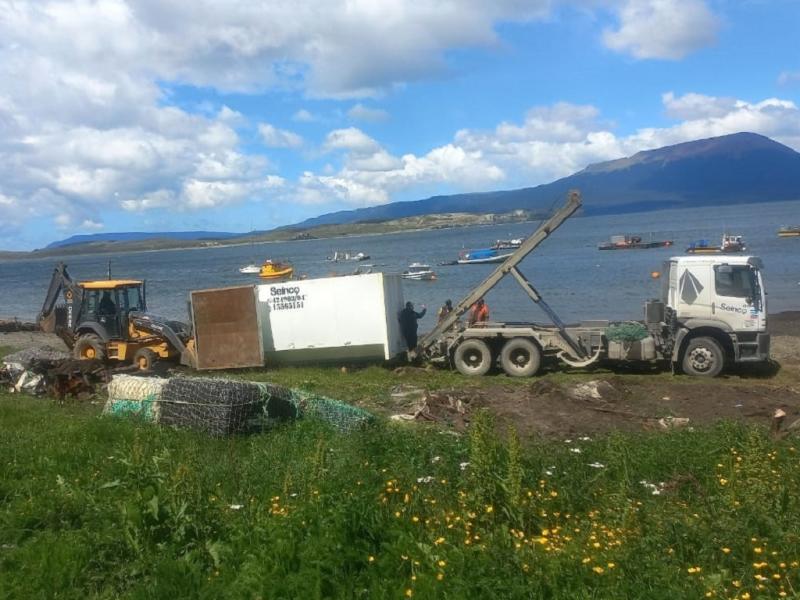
x,y
482,256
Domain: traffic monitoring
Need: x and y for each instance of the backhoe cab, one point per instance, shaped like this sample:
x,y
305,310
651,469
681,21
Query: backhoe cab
x,y
108,320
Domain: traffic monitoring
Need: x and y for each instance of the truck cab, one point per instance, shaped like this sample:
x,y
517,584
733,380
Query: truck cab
x,y
719,300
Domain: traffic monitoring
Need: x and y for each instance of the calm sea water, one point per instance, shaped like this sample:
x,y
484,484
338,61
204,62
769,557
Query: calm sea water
x,y
576,279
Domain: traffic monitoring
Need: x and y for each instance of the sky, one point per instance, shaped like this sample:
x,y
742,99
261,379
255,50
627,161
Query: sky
x,y
240,115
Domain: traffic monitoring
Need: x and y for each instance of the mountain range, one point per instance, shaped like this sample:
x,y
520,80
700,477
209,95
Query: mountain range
x,y
732,169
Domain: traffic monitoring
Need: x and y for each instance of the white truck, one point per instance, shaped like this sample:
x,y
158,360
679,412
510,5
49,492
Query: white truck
x,y
712,313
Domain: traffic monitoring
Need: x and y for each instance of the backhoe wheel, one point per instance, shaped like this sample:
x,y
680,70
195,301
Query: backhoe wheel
x,y
520,357
473,357
703,357
145,359
89,346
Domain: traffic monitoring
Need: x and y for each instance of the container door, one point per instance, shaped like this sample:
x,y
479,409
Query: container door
x,y
226,328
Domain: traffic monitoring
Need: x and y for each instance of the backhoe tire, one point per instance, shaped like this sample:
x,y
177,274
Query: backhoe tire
x,y
520,357
703,357
473,357
144,359
89,346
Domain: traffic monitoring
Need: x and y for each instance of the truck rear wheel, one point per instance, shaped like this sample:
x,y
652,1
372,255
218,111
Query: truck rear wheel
x,y
89,346
520,357
473,357
703,357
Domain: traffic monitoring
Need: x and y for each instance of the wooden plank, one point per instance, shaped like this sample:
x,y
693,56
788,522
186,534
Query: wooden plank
x,y
226,328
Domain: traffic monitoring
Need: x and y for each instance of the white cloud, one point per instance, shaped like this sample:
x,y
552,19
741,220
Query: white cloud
x,y
697,106
90,224
303,116
279,138
663,29
359,112
351,139
789,77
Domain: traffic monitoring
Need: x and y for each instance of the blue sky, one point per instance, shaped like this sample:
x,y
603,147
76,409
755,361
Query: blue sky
x,y
120,115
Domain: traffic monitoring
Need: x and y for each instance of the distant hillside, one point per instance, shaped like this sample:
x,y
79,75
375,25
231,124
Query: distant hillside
x,y
732,169
138,236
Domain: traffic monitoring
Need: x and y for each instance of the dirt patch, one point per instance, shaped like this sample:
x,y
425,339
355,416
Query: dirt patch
x,y
557,409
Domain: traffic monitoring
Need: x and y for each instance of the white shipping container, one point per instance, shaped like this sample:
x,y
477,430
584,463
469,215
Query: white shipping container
x,y
332,318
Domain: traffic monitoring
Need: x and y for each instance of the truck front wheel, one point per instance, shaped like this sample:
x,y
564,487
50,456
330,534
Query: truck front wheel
x,y
520,357
703,357
473,357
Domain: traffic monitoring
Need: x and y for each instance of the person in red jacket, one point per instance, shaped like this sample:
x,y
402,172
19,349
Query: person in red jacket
x,y
478,314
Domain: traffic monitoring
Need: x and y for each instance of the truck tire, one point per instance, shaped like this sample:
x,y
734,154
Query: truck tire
x,y
703,357
89,346
473,357
520,357
144,359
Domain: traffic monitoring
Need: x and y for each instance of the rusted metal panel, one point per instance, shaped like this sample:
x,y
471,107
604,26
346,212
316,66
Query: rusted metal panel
x,y
226,328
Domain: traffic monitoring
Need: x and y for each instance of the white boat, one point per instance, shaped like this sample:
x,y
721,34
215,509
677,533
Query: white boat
x,y
250,269
419,272
342,256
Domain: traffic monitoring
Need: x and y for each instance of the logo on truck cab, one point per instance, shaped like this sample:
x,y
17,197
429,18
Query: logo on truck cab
x,y
690,287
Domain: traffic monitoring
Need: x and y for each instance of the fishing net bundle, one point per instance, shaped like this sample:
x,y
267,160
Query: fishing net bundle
x,y
225,406
342,416
626,332
215,406
135,396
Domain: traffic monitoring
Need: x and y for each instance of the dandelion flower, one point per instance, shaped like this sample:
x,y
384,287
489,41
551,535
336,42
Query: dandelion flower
x,y
598,569
409,593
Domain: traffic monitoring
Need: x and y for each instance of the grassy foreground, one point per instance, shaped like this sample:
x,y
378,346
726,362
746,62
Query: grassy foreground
x,y
93,506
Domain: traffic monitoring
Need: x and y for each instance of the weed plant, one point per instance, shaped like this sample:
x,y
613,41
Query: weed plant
x,y
94,506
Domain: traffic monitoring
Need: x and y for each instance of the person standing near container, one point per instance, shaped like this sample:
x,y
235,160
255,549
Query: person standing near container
x,y
408,324
478,314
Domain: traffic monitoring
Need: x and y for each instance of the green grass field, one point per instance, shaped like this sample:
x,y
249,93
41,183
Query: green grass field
x,y
94,506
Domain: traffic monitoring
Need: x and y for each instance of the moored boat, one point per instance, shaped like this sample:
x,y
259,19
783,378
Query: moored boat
x,y
789,231
507,244
250,269
275,270
730,244
632,242
342,256
419,272
482,256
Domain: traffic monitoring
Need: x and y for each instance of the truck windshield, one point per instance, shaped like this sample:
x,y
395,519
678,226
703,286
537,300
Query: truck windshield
x,y
735,281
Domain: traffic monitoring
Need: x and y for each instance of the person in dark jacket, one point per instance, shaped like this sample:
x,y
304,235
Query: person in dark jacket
x,y
408,324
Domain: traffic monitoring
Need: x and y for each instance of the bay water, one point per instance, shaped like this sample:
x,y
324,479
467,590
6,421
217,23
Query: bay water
x,y
576,279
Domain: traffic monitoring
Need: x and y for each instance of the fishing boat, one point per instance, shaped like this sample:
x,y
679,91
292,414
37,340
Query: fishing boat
x,y
632,242
482,256
275,270
730,244
790,231
507,244
419,272
250,269
342,256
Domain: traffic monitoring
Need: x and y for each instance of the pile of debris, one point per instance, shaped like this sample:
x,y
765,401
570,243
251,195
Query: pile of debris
x,y
47,371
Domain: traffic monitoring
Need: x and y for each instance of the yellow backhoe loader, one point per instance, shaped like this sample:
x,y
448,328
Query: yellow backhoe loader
x,y
108,320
